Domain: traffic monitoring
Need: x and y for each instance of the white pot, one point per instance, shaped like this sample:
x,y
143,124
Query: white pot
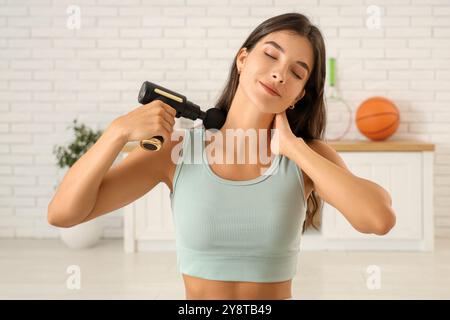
x,y
81,236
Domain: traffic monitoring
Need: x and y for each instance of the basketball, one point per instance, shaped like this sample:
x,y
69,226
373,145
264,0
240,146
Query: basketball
x,y
377,118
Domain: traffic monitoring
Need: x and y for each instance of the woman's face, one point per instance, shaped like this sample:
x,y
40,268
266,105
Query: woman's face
x,y
287,71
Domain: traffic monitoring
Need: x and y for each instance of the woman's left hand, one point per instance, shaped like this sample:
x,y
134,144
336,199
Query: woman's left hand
x,y
283,136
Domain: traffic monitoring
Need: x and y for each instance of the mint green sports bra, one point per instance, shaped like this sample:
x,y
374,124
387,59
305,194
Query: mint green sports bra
x,y
236,230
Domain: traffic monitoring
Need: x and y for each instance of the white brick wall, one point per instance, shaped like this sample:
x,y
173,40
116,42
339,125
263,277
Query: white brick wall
x,y
50,75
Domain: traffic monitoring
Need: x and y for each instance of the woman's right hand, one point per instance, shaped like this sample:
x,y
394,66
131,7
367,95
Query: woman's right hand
x,y
152,119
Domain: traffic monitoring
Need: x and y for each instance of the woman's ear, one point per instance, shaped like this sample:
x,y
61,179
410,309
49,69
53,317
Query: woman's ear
x,y
240,60
301,95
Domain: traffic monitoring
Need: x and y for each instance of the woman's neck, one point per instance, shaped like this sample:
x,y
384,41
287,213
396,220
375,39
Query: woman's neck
x,y
243,116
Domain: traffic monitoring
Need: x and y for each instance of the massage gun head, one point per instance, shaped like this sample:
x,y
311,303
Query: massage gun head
x,y
214,119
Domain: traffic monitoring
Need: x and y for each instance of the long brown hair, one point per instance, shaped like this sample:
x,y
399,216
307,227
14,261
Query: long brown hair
x,y
307,120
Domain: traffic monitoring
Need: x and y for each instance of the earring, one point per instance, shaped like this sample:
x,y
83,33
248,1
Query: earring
x,y
292,107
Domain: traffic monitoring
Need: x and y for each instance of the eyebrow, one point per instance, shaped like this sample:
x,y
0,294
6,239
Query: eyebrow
x,y
276,45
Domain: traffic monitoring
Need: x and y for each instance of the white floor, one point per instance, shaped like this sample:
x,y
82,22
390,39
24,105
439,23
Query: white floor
x,y
37,269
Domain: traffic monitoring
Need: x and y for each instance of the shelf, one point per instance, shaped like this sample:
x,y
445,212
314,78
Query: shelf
x,y
387,145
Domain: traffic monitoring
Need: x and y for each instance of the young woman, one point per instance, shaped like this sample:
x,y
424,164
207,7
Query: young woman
x,y
238,226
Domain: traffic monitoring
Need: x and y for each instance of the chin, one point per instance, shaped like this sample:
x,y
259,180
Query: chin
x,y
260,101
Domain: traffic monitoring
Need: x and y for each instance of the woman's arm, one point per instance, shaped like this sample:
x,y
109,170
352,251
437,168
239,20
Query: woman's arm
x,y
365,204
90,188
77,193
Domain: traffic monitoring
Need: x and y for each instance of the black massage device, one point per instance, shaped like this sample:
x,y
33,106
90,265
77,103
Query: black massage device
x,y
213,118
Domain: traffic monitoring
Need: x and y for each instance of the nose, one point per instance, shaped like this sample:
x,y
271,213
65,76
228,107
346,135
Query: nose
x,y
277,76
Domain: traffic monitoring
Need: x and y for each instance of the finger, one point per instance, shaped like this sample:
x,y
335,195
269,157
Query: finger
x,y
169,118
169,113
166,115
169,109
282,117
277,119
164,132
167,125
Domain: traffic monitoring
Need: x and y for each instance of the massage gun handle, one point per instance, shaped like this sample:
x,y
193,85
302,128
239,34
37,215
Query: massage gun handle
x,y
155,143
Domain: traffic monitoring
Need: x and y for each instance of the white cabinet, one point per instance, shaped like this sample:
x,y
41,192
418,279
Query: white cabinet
x,y
148,223
408,177
401,174
403,168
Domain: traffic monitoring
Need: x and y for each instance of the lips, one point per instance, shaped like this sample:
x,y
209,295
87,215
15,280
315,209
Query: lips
x,y
270,89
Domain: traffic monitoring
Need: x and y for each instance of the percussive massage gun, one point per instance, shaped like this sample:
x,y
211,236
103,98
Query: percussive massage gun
x,y
213,118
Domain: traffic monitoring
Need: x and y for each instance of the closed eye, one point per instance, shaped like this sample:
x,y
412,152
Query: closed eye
x,y
276,59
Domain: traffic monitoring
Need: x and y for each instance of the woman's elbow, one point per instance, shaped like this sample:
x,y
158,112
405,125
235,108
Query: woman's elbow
x,y
53,220
383,226
57,219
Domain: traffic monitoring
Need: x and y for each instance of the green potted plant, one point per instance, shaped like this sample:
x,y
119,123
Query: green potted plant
x,y
86,234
